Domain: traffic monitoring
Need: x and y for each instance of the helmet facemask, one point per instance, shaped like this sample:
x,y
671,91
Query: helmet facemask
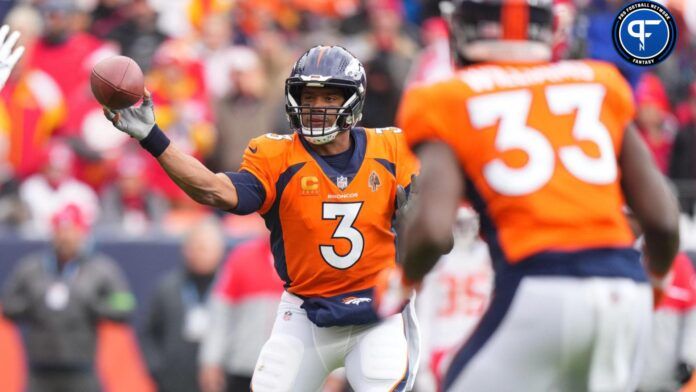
x,y
321,125
330,67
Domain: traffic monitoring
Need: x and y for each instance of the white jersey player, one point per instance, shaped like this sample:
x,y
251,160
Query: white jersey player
x,y
456,292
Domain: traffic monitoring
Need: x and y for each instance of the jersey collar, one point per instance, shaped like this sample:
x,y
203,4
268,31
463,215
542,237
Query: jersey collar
x,y
360,140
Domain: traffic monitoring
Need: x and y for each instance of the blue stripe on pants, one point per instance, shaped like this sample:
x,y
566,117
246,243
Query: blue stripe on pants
x,y
491,320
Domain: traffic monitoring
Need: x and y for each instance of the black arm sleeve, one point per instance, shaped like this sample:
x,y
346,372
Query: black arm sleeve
x,y
250,192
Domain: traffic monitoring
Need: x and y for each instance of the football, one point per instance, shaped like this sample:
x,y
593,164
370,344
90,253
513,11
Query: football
x,y
117,82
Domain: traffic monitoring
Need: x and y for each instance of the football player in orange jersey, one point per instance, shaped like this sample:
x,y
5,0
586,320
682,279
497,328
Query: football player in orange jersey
x,y
328,195
546,153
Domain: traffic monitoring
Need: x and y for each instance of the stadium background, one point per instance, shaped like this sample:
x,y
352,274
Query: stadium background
x,y
216,70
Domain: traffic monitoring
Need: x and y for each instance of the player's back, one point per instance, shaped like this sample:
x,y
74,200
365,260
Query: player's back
x,y
539,146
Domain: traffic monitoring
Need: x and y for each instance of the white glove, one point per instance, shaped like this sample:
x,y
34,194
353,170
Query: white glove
x,y
8,57
136,122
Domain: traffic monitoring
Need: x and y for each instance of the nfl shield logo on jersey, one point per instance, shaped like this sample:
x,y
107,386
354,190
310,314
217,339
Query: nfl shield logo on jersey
x,y
342,182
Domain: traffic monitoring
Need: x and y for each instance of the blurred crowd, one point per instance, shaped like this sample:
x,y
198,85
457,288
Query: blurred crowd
x,y
216,70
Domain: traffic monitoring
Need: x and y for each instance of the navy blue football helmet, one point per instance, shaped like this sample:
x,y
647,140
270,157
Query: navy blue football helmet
x,y
325,66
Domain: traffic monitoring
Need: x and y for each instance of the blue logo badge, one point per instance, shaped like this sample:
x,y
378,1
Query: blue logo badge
x,y
644,33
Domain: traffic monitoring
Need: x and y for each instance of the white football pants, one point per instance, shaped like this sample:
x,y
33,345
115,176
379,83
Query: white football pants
x,y
299,355
558,334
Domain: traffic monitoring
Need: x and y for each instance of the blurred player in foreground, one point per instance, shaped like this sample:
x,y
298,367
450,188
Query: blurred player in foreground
x,y
547,155
328,196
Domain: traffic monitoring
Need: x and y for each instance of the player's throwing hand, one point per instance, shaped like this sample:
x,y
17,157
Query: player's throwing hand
x,y
135,121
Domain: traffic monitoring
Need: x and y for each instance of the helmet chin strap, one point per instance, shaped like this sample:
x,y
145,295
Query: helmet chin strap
x,y
323,137
320,140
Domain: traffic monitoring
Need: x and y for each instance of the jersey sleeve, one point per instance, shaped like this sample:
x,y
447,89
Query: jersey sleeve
x,y
621,96
250,192
618,100
262,159
416,118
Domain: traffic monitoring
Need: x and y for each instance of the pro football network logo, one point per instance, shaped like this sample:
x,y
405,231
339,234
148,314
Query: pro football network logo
x,y
644,33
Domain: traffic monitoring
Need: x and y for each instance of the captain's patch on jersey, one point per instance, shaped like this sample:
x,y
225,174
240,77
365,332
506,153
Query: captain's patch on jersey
x,y
309,185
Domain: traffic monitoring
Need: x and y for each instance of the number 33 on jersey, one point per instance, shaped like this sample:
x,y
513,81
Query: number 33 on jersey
x,y
331,232
539,146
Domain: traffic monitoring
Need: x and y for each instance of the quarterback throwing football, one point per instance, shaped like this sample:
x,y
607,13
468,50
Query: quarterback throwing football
x,y
328,195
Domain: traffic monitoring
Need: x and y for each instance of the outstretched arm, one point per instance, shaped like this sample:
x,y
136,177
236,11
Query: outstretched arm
x,y
652,202
425,218
199,183
427,231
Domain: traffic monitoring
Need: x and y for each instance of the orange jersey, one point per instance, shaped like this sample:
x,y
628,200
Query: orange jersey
x,y
331,233
538,145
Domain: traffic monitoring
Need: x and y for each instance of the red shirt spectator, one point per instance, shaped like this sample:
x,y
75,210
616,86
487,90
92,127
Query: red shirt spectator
x,y
70,62
673,344
249,272
653,117
243,308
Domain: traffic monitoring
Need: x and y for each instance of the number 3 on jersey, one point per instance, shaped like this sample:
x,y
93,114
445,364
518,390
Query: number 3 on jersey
x,y
511,108
346,213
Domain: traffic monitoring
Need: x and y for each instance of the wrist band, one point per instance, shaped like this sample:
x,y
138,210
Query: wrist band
x,y
156,142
